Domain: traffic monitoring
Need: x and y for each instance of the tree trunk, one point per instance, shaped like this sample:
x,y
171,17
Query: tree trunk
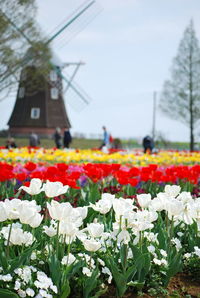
x,y
191,135
191,101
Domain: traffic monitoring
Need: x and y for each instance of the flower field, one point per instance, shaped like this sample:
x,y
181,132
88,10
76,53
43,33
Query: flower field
x,y
78,223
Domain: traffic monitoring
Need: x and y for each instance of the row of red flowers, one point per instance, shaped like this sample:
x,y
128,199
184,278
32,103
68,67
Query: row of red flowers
x,y
72,175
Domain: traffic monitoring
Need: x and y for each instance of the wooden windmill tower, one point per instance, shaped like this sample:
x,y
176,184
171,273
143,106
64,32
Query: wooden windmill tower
x,y
43,109
40,111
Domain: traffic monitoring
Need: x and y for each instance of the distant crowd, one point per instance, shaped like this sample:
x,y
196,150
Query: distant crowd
x,y
61,140
64,139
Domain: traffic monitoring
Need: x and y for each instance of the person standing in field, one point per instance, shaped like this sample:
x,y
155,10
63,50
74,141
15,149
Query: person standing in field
x,y
106,138
34,140
58,138
67,138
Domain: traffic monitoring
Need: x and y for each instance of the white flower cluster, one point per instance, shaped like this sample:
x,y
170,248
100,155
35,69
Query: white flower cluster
x,y
127,216
17,235
25,211
51,189
196,252
179,206
70,219
90,266
33,283
160,256
177,243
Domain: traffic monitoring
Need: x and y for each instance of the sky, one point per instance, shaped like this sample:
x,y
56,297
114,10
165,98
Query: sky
x,y
127,49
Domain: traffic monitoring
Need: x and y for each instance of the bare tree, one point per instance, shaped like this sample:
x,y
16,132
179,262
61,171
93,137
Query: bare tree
x,y
180,97
19,31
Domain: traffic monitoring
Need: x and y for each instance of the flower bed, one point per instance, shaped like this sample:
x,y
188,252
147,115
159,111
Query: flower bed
x,y
54,249
135,157
82,230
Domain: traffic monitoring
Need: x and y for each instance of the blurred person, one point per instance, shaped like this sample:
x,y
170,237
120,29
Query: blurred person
x,y
34,140
67,138
148,144
10,143
58,138
106,138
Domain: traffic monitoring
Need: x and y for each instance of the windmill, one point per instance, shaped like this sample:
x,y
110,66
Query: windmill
x,y
43,109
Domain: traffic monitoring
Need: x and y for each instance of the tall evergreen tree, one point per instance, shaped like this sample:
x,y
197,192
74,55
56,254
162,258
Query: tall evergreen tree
x,y
180,98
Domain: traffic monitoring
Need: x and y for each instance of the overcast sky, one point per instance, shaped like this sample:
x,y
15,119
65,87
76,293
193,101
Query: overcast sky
x,y
128,50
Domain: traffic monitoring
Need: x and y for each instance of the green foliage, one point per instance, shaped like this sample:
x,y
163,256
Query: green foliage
x,y
192,267
7,294
90,284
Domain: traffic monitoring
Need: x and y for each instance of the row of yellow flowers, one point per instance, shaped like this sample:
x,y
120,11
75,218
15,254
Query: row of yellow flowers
x,y
96,156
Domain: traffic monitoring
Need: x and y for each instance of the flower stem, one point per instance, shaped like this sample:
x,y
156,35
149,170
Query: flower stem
x,y
57,244
9,234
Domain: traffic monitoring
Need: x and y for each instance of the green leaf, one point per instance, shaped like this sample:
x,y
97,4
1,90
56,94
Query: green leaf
x,y
100,293
119,278
3,261
90,284
131,271
7,294
123,255
65,290
175,266
23,259
55,272
136,284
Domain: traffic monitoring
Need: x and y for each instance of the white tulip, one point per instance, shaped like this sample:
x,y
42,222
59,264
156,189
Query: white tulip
x,y
12,208
50,231
68,229
3,214
68,260
185,197
144,200
148,216
59,211
54,189
174,207
124,237
35,221
189,213
121,206
95,229
197,208
103,206
91,245
34,188
83,211
172,190
28,214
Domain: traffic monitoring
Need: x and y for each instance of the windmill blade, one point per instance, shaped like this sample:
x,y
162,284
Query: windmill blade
x,y
77,14
76,95
76,27
80,14
77,66
68,18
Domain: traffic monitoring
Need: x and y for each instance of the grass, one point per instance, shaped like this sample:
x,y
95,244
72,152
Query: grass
x,y
95,143
49,143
